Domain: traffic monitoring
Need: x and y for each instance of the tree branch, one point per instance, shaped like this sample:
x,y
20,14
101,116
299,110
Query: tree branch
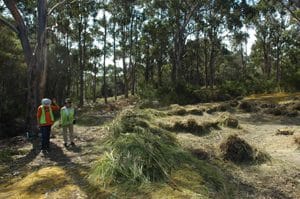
x,y
57,5
290,11
8,24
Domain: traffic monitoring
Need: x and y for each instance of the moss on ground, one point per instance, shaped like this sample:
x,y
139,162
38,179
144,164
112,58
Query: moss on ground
x,y
48,182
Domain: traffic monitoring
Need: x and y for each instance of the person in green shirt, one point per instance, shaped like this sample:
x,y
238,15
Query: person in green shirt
x,y
67,120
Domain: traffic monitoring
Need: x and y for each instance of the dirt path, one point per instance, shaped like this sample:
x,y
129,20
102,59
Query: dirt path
x,y
60,173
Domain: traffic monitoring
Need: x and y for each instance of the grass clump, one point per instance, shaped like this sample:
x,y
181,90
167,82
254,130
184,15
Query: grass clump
x,y
6,155
238,150
285,132
247,106
229,121
142,155
178,111
195,112
297,140
139,153
193,127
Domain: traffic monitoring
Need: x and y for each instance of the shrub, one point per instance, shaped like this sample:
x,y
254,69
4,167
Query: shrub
x,y
233,88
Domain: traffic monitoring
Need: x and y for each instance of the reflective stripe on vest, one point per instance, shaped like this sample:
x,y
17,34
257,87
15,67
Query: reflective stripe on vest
x,y
67,119
43,116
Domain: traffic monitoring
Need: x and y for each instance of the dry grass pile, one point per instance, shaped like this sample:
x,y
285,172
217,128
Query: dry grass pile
x,y
297,140
218,108
237,150
296,106
285,132
229,121
195,112
138,153
193,127
289,109
247,106
233,103
212,109
178,111
200,154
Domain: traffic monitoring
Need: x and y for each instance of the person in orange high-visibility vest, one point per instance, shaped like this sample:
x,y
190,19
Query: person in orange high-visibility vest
x,y
45,119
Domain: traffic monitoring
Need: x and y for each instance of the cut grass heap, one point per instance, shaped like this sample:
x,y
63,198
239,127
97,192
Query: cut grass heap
x,y
229,121
285,132
191,126
297,140
139,153
238,150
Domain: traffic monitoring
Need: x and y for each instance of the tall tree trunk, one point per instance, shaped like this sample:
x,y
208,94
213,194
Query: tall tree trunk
x,y
124,62
130,52
81,82
212,58
69,77
115,65
83,55
94,82
104,59
206,60
147,64
277,62
42,46
159,66
243,60
33,73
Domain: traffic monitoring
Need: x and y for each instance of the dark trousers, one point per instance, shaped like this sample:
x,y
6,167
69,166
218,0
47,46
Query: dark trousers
x,y
45,132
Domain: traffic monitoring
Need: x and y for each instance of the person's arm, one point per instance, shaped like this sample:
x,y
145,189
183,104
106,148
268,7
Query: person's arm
x,y
74,121
54,107
38,115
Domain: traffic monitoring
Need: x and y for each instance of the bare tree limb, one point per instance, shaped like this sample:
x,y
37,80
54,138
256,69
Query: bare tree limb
x,y
8,24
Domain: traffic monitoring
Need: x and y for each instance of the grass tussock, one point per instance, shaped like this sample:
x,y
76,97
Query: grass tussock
x,y
191,126
178,111
195,112
141,154
238,150
247,106
297,140
285,132
138,152
200,153
229,121
7,154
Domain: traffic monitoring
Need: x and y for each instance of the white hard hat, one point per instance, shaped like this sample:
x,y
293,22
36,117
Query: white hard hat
x,y
46,101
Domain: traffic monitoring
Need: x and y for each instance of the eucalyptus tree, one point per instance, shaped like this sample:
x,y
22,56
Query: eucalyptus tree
x,y
35,57
123,10
113,31
271,24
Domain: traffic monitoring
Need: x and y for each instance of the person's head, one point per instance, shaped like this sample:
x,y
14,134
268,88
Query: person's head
x,y
46,102
68,102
